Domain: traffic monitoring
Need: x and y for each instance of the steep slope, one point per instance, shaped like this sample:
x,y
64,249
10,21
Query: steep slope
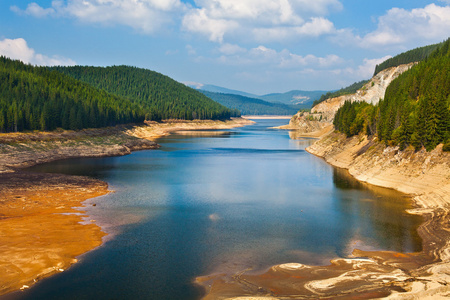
x,y
414,55
415,110
412,119
252,106
371,92
322,115
161,96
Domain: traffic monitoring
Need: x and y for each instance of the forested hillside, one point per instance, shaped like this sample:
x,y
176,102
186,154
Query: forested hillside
x,y
415,110
161,96
414,55
351,89
36,98
251,106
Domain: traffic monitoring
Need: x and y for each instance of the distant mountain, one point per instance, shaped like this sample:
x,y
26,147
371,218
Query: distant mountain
x,y
218,89
296,97
251,106
303,99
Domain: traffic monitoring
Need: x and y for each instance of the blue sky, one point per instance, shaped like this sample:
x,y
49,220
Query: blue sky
x,y
257,46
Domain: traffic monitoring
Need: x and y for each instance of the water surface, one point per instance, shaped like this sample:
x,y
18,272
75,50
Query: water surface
x,y
248,198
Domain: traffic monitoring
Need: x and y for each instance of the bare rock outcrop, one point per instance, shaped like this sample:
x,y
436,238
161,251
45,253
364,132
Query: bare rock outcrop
x,y
371,92
322,115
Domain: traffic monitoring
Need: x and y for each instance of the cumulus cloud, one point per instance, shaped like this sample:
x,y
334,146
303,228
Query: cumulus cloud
x,y
315,27
284,59
367,69
18,49
34,9
403,27
143,15
263,20
230,49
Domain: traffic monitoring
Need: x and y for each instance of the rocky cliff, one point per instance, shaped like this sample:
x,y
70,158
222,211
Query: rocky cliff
x,y
322,115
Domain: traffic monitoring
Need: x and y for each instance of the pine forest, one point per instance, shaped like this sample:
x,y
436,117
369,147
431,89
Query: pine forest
x,y
415,111
160,96
42,98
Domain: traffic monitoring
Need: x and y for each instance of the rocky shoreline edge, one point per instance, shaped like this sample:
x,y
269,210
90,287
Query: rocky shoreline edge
x,y
370,274
41,215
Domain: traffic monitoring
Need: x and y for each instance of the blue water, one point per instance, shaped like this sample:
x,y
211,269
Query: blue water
x,y
249,198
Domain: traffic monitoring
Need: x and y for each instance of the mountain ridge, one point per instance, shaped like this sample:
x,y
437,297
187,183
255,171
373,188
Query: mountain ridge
x,y
293,97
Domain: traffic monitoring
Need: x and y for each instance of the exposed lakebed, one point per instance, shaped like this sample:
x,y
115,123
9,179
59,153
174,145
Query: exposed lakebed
x,y
246,198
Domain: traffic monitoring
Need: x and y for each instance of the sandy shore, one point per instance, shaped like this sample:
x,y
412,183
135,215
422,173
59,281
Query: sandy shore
x,y
157,130
377,274
41,215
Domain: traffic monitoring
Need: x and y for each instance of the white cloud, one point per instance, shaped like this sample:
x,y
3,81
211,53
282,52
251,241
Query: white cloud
x,y
18,49
316,27
193,84
270,58
404,27
143,15
229,49
34,9
198,21
367,69
261,20
191,50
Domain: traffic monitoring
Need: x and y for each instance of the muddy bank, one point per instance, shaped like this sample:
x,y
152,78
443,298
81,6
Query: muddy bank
x,y
42,222
40,228
21,150
367,274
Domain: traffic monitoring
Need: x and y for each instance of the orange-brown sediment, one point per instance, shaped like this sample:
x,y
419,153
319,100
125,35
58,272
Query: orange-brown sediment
x,y
40,227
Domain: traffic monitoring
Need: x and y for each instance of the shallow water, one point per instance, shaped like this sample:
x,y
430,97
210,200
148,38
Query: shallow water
x,y
248,198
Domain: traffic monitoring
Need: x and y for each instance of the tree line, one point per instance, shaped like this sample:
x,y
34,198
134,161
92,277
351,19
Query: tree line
x,y
351,89
161,96
42,98
415,110
414,55
36,98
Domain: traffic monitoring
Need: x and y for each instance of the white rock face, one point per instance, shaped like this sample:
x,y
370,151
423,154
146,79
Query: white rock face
x,y
371,92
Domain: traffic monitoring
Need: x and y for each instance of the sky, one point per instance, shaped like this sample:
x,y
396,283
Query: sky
x,y
256,46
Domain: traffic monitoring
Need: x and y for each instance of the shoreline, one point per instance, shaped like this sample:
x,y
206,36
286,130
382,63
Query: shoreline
x,y
56,202
268,117
367,274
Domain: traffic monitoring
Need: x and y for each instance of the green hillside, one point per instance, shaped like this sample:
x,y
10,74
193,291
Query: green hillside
x,y
351,89
415,110
414,55
161,96
36,98
251,106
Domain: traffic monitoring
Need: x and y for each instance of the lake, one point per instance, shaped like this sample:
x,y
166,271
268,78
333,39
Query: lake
x,y
226,201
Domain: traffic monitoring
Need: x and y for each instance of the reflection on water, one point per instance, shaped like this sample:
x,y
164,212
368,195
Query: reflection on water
x,y
384,207
202,204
